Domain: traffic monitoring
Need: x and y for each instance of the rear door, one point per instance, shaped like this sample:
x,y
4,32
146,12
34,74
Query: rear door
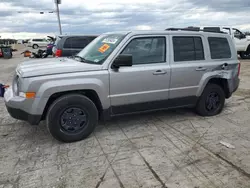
x,y
188,64
74,45
194,56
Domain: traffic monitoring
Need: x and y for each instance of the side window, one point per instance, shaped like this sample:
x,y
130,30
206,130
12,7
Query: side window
x,y
147,50
68,43
82,43
91,38
76,42
219,48
237,33
188,48
37,40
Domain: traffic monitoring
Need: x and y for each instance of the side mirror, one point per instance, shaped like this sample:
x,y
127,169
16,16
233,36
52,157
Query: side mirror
x,y
122,61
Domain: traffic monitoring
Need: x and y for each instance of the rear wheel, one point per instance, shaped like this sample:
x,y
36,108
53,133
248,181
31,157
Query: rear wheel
x,y
35,46
245,55
72,118
211,101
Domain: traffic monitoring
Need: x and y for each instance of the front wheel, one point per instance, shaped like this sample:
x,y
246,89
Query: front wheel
x,y
211,101
72,118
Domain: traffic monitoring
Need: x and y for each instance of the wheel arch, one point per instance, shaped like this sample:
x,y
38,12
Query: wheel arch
x,y
222,82
248,48
91,94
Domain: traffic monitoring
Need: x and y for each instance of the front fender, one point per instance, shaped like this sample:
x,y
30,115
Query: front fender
x,y
49,88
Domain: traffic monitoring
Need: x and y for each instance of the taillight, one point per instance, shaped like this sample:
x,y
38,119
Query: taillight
x,y
239,69
58,53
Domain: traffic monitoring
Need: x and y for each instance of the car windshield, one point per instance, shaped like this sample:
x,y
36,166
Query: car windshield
x,y
100,48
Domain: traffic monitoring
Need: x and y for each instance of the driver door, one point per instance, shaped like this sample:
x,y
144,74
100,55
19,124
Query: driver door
x,y
145,85
240,42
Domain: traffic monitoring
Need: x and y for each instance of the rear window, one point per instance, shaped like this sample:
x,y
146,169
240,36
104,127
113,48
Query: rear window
x,y
58,38
188,48
76,42
219,48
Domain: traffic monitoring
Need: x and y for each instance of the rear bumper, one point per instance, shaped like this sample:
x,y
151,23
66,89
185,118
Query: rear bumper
x,y
236,85
233,85
22,115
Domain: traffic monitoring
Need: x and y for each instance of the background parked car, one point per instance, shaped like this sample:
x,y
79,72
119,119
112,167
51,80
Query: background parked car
x,y
58,38
70,45
19,41
26,41
36,43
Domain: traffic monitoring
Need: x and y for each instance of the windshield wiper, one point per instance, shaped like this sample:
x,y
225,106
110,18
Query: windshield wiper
x,y
79,57
82,59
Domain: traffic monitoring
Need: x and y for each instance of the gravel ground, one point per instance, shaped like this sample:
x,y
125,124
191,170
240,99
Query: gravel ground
x,y
167,149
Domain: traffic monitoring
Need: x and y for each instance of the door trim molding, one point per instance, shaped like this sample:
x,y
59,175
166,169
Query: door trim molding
x,y
139,93
153,105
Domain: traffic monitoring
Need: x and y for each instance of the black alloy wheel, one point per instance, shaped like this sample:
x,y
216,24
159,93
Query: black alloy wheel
x,y
73,120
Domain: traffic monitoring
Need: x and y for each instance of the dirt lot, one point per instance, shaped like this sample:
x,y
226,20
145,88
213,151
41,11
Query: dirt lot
x,y
168,149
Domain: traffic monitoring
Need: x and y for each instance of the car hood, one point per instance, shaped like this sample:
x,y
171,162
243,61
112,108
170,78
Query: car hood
x,y
53,66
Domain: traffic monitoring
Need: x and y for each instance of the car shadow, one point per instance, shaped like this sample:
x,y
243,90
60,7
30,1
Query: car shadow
x,y
40,134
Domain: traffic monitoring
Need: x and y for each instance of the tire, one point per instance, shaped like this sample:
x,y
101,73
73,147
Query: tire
x,y
45,56
244,55
62,127
35,46
207,104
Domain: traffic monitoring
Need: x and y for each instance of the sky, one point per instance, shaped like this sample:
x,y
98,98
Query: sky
x,y
99,16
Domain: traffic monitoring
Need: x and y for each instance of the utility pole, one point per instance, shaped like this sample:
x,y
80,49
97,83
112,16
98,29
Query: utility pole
x,y
57,2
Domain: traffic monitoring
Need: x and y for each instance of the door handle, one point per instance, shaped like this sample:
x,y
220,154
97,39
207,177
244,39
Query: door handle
x,y
201,69
159,72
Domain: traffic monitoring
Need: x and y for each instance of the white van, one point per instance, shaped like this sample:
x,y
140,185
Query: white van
x,y
36,43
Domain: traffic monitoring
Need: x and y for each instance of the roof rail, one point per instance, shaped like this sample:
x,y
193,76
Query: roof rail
x,y
191,28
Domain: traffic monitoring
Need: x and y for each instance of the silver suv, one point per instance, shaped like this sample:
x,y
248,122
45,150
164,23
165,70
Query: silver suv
x,y
123,73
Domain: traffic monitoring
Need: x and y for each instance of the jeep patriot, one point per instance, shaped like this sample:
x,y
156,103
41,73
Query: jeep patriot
x,y
122,73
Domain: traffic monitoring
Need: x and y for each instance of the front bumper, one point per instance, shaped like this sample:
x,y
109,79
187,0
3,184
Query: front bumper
x,y
22,115
18,107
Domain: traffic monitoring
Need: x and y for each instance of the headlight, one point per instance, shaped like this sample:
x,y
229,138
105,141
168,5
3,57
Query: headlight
x,y
16,85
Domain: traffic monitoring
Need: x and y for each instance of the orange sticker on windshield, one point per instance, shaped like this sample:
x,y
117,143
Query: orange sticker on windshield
x,y
104,48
